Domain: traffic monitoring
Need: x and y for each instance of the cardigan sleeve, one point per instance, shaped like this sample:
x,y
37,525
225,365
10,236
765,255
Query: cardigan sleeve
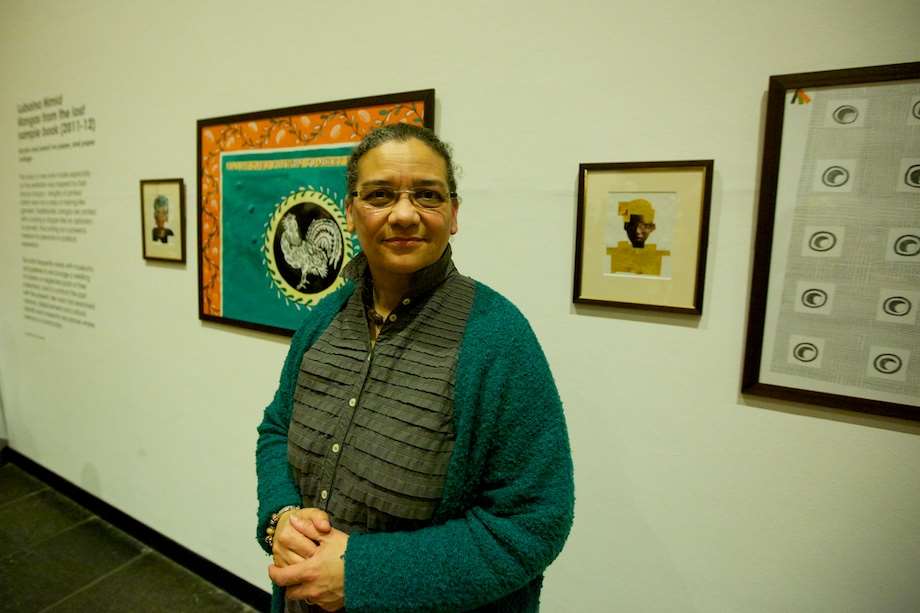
x,y
276,487
514,521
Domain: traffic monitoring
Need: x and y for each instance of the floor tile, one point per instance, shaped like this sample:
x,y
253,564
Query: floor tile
x,y
32,519
56,556
150,584
15,483
61,565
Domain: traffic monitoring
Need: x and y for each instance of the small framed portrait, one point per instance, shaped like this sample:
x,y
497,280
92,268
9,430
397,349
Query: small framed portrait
x,y
163,219
641,234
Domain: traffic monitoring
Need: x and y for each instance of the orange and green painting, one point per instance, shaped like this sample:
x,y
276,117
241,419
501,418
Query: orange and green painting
x,y
263,175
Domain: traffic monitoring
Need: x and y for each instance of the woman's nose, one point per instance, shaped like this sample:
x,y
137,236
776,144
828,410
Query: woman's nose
x,y
403,211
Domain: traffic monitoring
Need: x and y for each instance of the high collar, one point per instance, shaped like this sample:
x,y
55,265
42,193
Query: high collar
x,y
422,282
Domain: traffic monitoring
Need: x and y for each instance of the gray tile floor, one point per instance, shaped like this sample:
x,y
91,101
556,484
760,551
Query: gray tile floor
x,y
56,556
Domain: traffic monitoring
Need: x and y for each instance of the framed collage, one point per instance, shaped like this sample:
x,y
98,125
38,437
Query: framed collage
x,y
641,234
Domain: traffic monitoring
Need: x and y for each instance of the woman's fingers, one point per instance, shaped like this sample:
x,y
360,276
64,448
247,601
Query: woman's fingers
x,y
289,546
298,534
314,529
285,557
318,517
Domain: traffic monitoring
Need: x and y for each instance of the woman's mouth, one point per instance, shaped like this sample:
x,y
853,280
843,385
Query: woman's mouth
x,y
404,241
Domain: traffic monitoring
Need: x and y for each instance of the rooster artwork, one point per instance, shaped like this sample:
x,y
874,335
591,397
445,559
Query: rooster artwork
x,y
273,236
305,246
314,253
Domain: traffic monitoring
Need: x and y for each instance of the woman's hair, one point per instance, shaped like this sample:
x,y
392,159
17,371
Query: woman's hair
x,y
161,203
400,132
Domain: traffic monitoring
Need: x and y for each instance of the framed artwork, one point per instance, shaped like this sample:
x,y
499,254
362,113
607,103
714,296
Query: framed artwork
x,y
641,234
836,281
163,219
271,212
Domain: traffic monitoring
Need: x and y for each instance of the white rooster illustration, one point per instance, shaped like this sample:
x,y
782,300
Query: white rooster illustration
x,y
314,253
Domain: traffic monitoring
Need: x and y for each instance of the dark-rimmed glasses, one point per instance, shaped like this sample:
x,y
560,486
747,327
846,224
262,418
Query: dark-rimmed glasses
x,y
381,197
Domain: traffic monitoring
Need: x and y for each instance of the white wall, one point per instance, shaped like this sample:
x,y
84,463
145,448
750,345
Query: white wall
x,y
689,497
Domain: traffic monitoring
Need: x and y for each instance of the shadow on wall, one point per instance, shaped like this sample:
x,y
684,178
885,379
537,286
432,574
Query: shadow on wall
x,y
892,424
89,480
89,475
3,435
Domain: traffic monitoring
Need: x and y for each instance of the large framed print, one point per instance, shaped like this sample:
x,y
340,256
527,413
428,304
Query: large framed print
x,y
271,210
835,289
641,233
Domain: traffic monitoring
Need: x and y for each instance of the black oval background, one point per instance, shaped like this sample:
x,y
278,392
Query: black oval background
x,y
305,212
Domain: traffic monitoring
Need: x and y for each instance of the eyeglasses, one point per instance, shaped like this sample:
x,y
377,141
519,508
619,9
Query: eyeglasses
x,y
381,197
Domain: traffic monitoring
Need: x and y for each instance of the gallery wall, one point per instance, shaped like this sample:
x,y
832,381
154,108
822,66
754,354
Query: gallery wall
x,y
690,497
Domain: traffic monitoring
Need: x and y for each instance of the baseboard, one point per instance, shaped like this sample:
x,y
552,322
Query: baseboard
x,y
252,595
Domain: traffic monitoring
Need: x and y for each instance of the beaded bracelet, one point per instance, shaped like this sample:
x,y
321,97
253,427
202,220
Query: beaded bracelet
x,y
273,523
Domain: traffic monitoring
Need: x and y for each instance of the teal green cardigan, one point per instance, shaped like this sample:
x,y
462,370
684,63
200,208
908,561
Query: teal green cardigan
x,y
508,500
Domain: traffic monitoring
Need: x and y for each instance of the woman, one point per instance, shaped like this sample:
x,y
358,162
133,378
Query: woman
x,y
160,215
416,420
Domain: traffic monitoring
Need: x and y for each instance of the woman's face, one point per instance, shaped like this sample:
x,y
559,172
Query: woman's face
x,y
402,238
638,231
160,216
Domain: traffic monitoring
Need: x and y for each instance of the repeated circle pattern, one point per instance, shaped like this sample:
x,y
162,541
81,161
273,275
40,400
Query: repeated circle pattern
x,y
907,245
912,176
805,352
835,176
887,363
845,114
822,241
897,306
814,298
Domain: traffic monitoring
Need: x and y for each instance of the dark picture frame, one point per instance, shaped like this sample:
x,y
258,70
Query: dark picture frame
x,y
163,220
832,318
268,179
623,207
